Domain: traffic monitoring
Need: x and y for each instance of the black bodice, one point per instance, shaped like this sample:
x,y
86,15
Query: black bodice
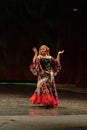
x,y
46,63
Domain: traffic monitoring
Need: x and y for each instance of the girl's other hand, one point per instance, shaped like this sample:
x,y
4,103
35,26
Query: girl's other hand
x,y
61,52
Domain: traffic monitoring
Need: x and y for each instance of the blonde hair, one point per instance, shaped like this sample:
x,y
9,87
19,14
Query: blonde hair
x,y
47,49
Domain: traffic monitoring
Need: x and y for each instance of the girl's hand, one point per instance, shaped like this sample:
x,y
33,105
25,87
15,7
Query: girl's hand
x,y
35,50
58,55
61,52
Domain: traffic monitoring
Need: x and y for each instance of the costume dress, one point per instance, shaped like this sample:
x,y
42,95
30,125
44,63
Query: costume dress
x,y
45,93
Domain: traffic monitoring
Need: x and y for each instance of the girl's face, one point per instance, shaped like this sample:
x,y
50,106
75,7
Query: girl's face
x,y
43,50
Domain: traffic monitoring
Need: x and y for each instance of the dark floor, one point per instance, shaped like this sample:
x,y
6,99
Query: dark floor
x,y
14,101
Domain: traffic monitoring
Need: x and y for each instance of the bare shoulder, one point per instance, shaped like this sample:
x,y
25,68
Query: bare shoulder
x,y
39,56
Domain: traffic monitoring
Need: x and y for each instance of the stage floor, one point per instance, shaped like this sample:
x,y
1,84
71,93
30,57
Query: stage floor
x,y
14,102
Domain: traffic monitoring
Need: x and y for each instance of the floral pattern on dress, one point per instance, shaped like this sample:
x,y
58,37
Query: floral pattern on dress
x,y
46,70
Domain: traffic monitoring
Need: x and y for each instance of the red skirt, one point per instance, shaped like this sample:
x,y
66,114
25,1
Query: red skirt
x,y
45,99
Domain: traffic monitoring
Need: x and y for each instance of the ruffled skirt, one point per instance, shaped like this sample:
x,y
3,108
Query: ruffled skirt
x,y
45,99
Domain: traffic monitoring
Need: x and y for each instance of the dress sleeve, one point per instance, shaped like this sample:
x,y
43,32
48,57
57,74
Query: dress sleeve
x,y
56,66
35,67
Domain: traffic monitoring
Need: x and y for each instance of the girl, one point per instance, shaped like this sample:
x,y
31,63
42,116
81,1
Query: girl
x,y
45,67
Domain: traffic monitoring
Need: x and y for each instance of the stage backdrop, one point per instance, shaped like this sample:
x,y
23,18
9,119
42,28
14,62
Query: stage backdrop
x,y
60,25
